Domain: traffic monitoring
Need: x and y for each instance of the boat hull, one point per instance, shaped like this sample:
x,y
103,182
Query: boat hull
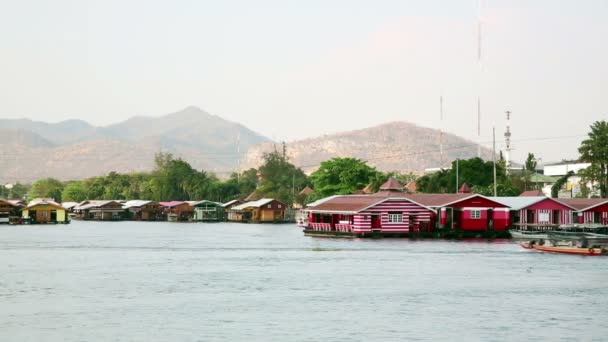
x,y
564,250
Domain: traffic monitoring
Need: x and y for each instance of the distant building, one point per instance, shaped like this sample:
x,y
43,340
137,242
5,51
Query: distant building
x,y
573,187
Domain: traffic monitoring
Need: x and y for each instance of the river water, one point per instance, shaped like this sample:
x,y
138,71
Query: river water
x,y
131,281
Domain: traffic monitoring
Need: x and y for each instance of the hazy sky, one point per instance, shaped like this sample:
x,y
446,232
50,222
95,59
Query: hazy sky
x,y
294,69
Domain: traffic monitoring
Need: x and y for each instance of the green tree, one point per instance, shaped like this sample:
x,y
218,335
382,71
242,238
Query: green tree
x,y
46,188
340,176
74,191
594,150
280,178
559,184
477,173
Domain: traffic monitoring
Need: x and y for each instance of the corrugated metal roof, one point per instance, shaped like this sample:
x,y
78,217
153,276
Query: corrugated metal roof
x,y
253,204
43,201
136,203
171,204
582,203
347,203
93,204
229,203
517,203
69,205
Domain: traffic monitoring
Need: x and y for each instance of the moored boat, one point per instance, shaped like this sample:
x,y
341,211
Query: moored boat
x,y
563,249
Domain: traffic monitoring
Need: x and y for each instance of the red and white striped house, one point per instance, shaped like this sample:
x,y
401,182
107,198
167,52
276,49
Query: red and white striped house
x,y
537,211
588,210
364,214
387,212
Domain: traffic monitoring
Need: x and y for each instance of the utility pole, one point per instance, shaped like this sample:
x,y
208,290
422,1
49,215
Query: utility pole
x,y
494,156
457,187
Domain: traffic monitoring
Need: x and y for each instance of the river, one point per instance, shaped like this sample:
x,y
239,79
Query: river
x,y
135,281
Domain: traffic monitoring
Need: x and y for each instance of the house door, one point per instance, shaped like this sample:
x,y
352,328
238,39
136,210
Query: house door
x,y
376,223
54,216
556,217
596,217
490,214
530,216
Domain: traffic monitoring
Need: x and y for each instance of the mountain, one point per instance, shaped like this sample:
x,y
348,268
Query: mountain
x,y
74,149
395,146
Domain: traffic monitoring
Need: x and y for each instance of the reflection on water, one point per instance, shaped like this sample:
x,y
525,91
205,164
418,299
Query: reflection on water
x,y
130,281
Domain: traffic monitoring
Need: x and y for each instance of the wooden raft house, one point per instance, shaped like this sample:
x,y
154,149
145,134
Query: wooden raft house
x,y
140,210
208,211
100,210
44,211
264,210
177,210
229,215
10,211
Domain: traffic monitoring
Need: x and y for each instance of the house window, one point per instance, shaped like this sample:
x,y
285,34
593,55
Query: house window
x,y
279,206
395,217
269,206
44,213
476,214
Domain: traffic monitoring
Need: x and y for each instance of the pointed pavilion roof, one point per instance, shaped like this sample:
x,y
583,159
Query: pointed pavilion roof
x,y
306,191
464,189
391,184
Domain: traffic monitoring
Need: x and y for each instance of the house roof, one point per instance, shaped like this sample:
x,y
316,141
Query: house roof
x,y
411,187
254,196
229,203
306,191
391,184
540,178
355,203
44,201
464,189
171,204
254,204
518,203
14,203
93,204
69,205
583,204
206,202
136,203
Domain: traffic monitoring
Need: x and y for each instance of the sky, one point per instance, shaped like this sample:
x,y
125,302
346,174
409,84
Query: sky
x,y
295,69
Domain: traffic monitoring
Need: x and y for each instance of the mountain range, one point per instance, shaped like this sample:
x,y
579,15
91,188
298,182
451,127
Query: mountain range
x,y
75,149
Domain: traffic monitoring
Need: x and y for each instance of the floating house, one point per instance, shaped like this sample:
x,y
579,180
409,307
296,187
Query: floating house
x,y
362,215
177,210
10,211
140,210
229,215
100,210
465,211
263,210
588,210
536,212
44,210
205,211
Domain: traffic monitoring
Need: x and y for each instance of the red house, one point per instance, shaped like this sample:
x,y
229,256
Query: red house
x,y
589,210
466,211
537,211
361,215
